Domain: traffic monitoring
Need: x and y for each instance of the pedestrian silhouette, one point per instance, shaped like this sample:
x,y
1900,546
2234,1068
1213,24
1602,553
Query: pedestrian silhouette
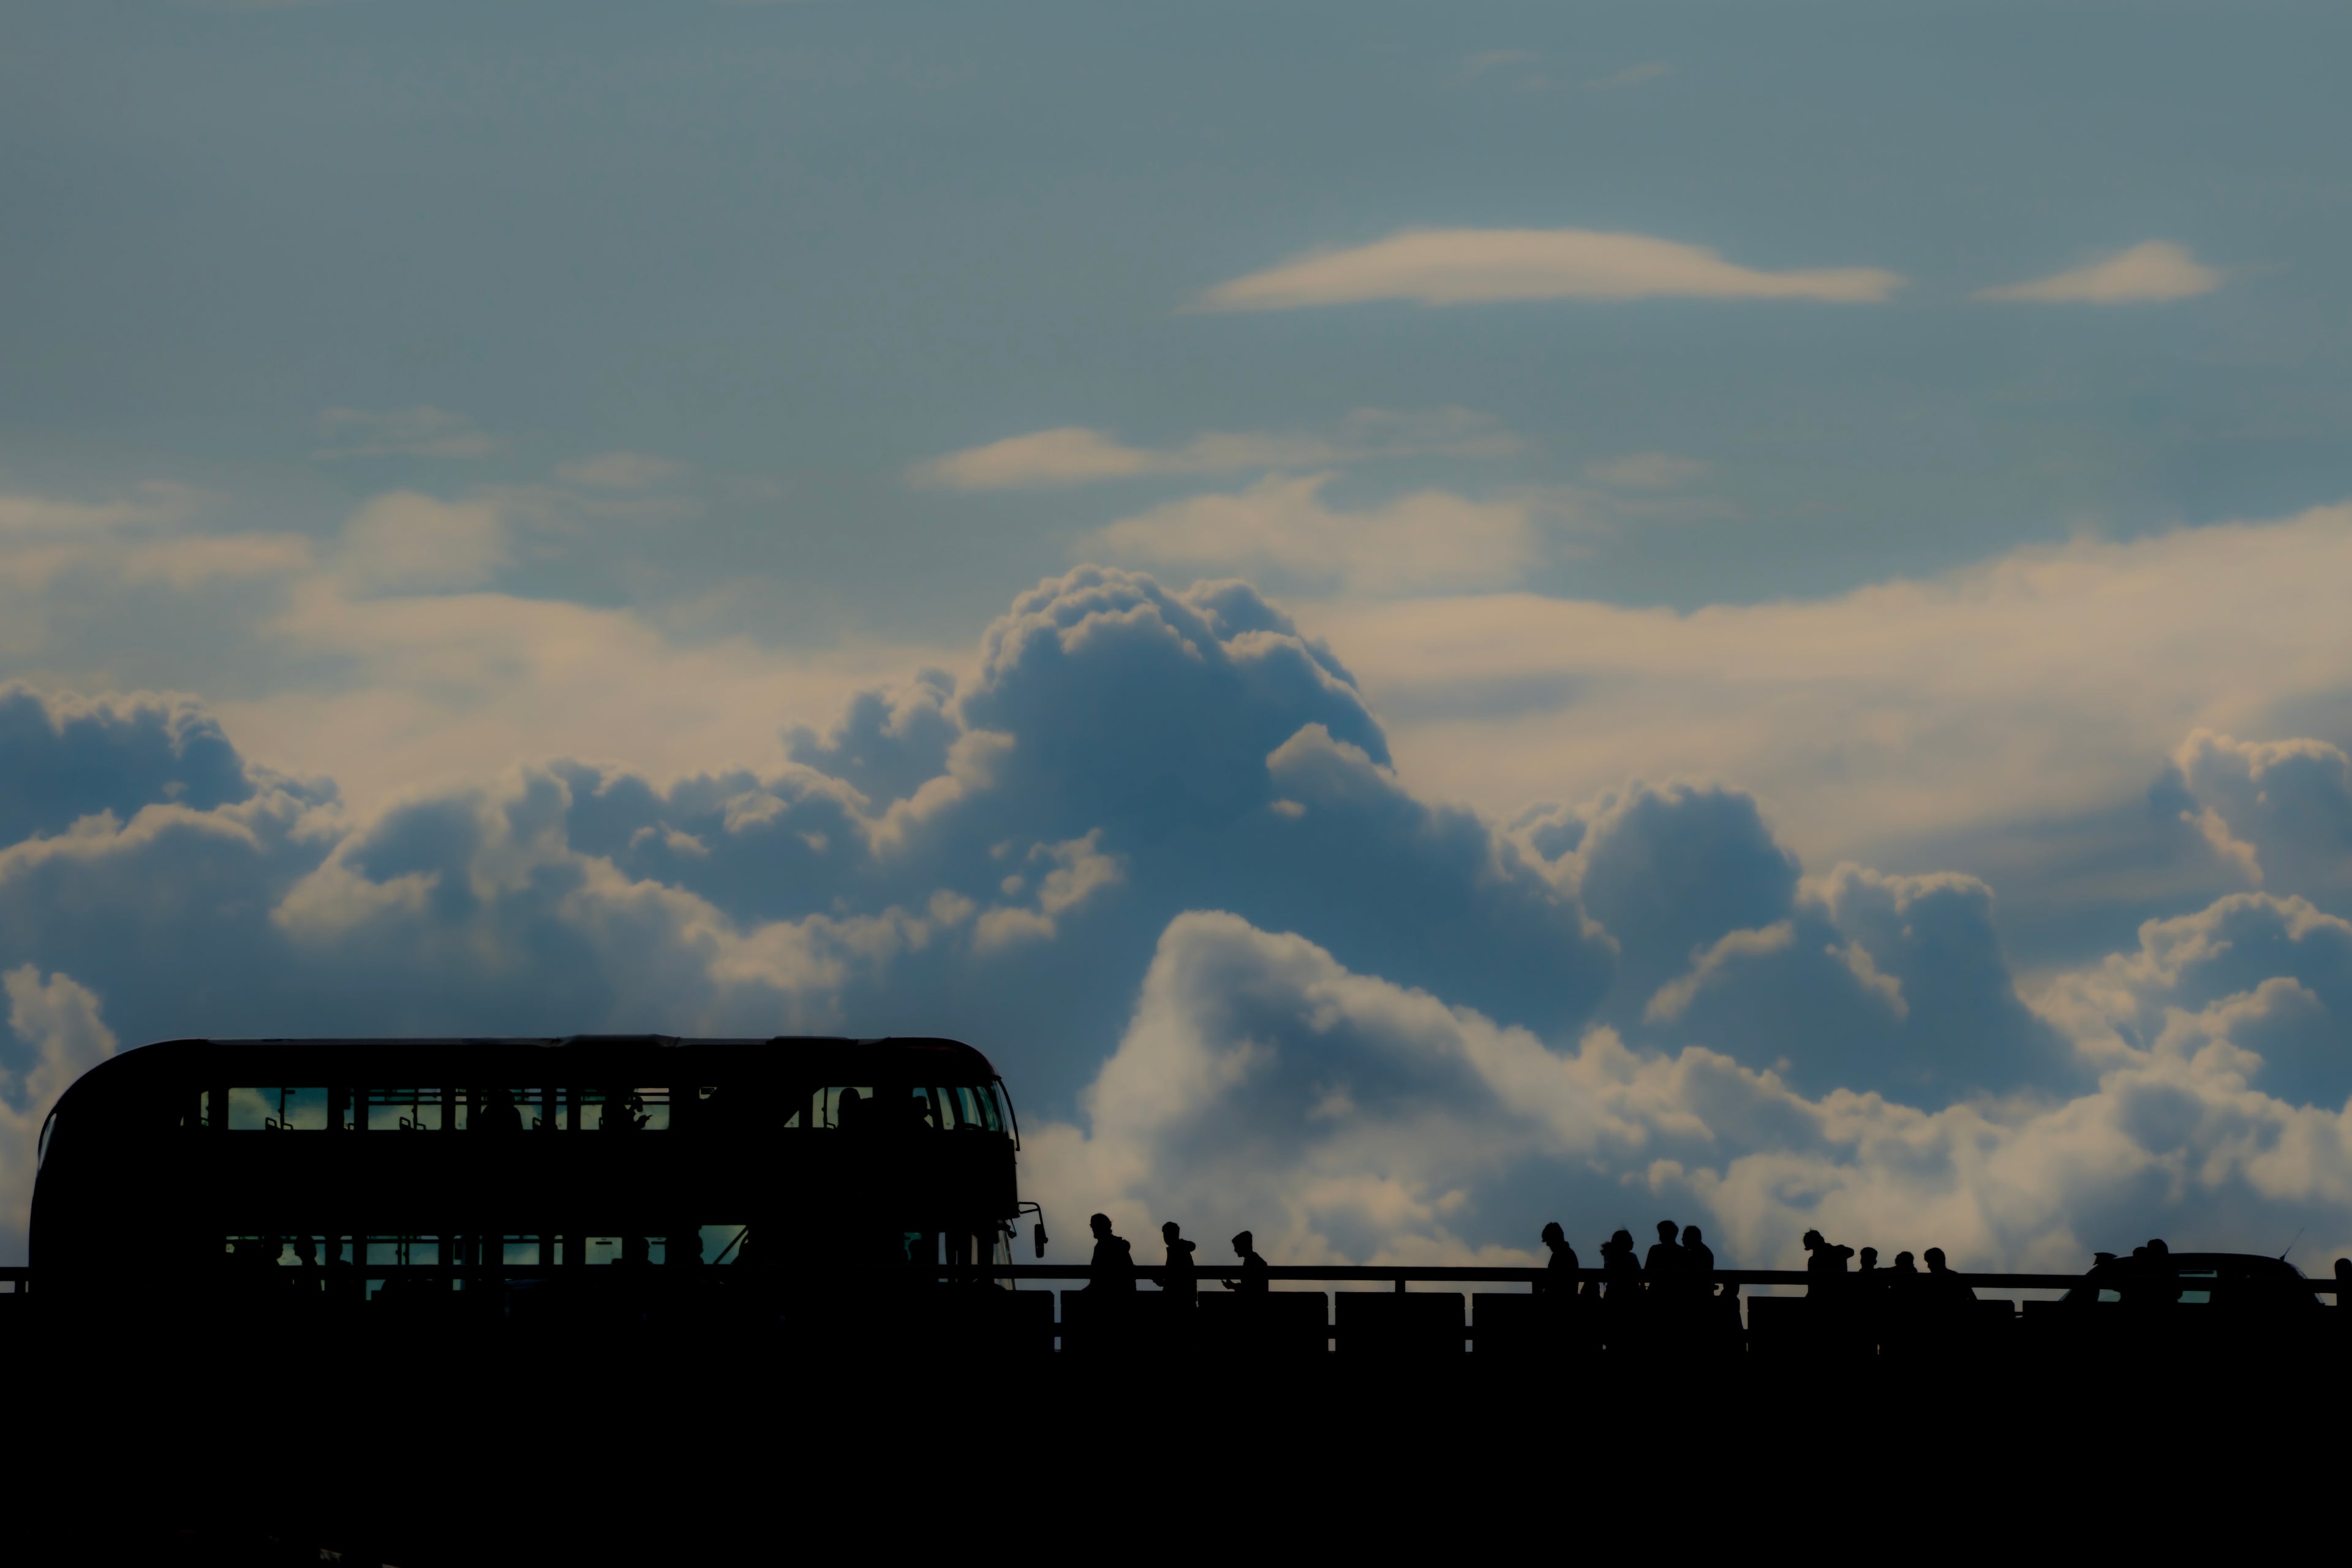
x,y
1827,1264
1180,1278
1622,1272
1114,1261
1558,1279
1619,1268
1255,1280
1665,1265
1948,1293
1698,1262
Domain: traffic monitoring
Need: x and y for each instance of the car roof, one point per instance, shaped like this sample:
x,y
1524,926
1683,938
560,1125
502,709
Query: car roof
x,y
2227,1264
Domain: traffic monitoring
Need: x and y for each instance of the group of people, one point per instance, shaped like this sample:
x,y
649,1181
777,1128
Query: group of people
x,y
1825,1270
1678,1266
1114,1271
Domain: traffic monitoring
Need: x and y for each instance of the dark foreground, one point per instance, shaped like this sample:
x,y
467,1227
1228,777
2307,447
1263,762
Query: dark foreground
x,y
678,1449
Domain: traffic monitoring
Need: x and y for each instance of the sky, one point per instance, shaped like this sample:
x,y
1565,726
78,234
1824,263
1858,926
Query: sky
x,y
1421,618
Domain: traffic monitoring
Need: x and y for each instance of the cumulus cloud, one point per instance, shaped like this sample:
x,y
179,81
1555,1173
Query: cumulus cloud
x,y
1365,1022
2155,270
59,1035
423,431
1075,454
1475,266
1282,527
1261,1085
2281,810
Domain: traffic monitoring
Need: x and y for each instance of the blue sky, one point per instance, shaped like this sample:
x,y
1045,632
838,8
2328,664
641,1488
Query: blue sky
x,y
1781,552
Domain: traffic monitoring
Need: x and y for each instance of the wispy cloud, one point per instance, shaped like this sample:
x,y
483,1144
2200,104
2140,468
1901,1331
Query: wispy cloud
x,y
1647,471
1424,542
619,471
424,431
1473,67
1076,455
2155,270
1477,265
1632,76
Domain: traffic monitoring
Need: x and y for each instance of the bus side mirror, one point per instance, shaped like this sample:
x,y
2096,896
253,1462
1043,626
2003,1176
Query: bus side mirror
x,y
1037,1236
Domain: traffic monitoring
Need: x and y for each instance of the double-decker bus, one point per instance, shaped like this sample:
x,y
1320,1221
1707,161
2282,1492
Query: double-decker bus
x,y
324,1176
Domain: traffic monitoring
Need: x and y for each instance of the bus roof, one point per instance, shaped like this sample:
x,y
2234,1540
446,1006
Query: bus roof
x,y
586,1059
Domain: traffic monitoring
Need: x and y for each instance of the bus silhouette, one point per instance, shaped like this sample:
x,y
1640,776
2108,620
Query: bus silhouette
x,y
284,1181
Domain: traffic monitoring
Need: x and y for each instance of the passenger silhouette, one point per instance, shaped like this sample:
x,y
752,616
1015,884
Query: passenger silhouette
x,y
1181,1276
849,1112
1114,1261
1255,1280
1559,1275
2344,1281
625,1111
1869,1262
493,1111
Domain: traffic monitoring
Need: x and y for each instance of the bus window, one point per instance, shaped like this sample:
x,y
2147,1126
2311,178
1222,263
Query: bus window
x,y
624,1110
851,1107
723,1243
403,1110
977,1108
278,1110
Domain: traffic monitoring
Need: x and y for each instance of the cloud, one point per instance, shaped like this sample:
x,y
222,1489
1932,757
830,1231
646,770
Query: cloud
x,y
2282,810
1372,1023
1429,541
1465,265
1632,76
1477,64
405,542
1647,471
60,1035
2033,687
618,471
28,518
423,431
1075,454
1260,1084
2156,269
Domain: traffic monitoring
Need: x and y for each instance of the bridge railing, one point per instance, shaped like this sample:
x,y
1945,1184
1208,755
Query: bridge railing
x,y
18,1279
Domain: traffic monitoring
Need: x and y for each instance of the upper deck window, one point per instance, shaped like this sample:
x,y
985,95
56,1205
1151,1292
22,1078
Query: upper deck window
x,y
277,1110
406,1109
